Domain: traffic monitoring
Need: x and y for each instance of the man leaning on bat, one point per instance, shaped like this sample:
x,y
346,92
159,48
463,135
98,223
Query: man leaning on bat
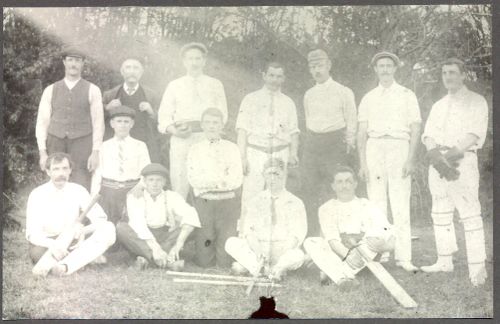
x,y
54,208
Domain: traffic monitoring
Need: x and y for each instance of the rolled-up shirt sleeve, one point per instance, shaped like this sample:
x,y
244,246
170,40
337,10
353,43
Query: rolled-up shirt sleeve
x,y
184,213
234,177
478,124
244,119
293,123
166,110
431,130
136,208
349,108
220,97
43,118
34,226
97,116
328,224
413,109
298,220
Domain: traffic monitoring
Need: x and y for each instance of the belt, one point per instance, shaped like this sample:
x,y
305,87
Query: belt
x,y
389,137
193,125
446,148
268,150
218,195
113,184
340,130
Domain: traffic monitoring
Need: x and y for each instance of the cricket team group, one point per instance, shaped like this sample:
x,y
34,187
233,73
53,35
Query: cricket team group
x,y
231,199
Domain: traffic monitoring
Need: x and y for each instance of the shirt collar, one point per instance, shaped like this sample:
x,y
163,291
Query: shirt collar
x,y
271,93
325,84
392,87
53,188
71,84
462,92
158,198
134,89
125,140
193,79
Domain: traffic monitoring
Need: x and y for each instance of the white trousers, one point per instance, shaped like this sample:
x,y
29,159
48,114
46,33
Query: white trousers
x,y
385,159
280,257
179,149
92,247
463,195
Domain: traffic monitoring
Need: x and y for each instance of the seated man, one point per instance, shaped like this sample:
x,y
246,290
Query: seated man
x,y
159,222
53,208
273,230
121,160
215,173
353,229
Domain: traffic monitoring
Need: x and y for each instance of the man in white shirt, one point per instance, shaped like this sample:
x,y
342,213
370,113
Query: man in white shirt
x,y
181,107
330,113
121,160
270,238
455,130
70,119
215,174
348,222
53,208
388,136
159,222
267,127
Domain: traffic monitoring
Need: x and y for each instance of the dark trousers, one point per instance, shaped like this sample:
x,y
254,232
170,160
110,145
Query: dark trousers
x,y
138,247
36,252
79,149
218,220
322,153
113,202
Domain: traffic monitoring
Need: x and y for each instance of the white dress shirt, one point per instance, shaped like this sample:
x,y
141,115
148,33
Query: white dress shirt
x,y
51,210
269,118
45,111
167,209
454,116
214,166
389,111
186,98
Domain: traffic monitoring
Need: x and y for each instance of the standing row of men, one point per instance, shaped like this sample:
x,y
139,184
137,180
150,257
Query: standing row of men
x,y
387,127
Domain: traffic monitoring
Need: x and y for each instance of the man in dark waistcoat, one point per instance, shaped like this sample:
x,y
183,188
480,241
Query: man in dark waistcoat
x,y
70,119
142,100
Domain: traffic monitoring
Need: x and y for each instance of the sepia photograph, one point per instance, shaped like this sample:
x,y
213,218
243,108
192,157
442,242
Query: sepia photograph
x,y
303,162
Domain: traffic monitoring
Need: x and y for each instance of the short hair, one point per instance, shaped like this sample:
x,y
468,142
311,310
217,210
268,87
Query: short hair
x,y
212,111
135,58
341,169
274,65
58,157
455,61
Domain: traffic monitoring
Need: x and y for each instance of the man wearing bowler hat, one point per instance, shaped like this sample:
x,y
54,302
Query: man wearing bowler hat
x,y
70,119
330,113
388,136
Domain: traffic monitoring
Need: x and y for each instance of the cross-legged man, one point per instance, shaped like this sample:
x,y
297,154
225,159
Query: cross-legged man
x,y
181,107
54,208
388,137
159,222
269,243
348,222
455,130
70,119
215,174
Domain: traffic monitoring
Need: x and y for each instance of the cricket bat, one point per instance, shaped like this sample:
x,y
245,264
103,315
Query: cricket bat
x,y
47,261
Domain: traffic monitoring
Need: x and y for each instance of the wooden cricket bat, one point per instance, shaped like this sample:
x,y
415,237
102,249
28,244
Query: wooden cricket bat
x,y
47,261
389,282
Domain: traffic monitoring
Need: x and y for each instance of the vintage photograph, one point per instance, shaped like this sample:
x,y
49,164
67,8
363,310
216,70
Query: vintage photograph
x,y
247,162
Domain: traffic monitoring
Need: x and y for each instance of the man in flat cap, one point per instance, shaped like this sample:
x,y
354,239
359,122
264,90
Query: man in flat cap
x,y
388,136
455,130
267,127
70,119
181,107
121,160
159,222
140,98
330,113
270,239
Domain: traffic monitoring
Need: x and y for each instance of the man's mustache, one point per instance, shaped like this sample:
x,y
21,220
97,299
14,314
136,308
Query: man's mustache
x,y
61,178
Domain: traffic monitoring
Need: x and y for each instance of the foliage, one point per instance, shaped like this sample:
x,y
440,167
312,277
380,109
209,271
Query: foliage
x,y
240,40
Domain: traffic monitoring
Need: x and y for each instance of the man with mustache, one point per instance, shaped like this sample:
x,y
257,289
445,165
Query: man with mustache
x,y
181,107
70,119
455,130
53,208
330,113
388,135
140,98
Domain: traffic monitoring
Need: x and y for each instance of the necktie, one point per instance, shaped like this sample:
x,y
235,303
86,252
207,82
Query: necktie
x,y
121,158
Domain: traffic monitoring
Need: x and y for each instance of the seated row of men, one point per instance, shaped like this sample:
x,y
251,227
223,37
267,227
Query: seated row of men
x,y
157,223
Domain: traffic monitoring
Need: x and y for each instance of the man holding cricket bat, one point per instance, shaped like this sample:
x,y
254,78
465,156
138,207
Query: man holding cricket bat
x,y
346,223
53,209
275,227
180,111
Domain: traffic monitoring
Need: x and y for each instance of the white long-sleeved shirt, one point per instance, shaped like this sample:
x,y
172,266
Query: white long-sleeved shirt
x,y
167,209
45,111
186,98
454,116
50,211
136,157
214,166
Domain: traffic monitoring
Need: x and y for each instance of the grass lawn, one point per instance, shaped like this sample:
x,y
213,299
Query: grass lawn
x,y
117,290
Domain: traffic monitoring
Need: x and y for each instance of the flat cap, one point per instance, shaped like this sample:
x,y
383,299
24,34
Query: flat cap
x,y
274,163
317,55
390,55
122,111
154,168
198,46
72,50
